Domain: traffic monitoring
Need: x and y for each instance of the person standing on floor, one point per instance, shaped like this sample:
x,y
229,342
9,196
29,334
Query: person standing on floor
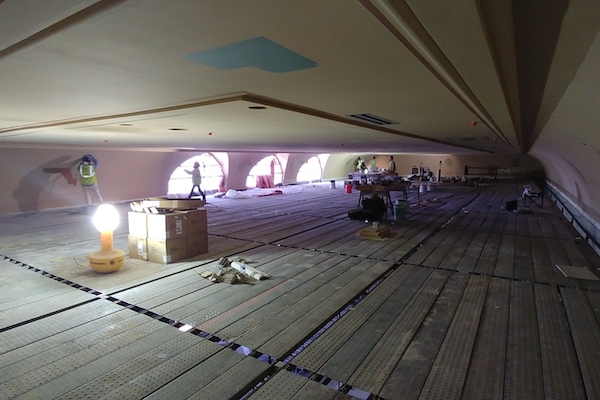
x,y
373,164
196,181
88,180
392,165
359,164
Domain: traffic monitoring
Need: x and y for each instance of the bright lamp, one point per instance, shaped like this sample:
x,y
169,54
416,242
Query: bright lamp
x,y
107,259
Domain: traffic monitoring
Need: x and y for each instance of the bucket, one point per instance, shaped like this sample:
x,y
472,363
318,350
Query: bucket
x,y
400,209
332,184
348,188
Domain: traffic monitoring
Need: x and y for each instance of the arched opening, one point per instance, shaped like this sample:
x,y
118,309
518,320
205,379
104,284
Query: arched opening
x,y
266,173
312,169
180,182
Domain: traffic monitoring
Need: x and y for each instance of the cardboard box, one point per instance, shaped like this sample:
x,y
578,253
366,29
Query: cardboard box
x,y
167,226
197,221
173,204
165,251
137,224
138,247
197,243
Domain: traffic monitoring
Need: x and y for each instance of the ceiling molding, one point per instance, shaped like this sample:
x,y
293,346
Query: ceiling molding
x,y
73,19
399,19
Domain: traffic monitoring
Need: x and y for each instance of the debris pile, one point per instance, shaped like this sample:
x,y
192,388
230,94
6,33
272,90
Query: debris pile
x,y
236,271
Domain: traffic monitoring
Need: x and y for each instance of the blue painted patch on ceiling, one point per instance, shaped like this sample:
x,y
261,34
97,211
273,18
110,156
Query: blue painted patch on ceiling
x,y
258,52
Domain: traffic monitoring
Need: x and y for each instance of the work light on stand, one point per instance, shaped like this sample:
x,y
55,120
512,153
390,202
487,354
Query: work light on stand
x,y
107,259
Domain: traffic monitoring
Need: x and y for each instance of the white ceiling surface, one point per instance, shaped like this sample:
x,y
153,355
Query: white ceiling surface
x,y
74,81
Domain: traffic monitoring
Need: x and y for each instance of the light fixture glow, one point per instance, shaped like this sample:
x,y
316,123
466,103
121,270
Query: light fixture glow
x,y
106,218
185,328
107,259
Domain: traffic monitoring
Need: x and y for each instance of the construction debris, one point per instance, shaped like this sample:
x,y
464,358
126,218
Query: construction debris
x,y
236,271
375,233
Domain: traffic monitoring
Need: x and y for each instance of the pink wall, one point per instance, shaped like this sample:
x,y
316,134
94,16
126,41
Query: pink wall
x,y
30,181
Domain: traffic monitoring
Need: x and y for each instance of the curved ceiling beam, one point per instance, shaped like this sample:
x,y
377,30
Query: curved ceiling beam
x,y
399,19
74,19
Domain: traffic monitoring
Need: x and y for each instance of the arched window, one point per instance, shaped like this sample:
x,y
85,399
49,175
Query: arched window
x,y
312,169
260,175
180,182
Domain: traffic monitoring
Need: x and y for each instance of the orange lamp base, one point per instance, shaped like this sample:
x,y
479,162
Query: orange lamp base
x,y
105,261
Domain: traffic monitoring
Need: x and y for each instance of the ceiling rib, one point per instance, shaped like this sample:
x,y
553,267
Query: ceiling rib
x,y
437,63
95,9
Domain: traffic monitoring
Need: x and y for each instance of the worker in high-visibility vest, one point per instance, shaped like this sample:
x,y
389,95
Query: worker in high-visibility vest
x,y
88,179
196,181
359,164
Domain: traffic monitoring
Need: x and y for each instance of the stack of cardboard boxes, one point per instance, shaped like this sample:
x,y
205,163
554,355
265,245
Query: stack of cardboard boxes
x,y
167,237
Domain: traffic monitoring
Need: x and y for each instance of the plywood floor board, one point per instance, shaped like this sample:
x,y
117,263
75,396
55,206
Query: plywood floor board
x,y
486,370
307,239
200,375
332,270
454,257
450,367
471,255
152,377
348,358
546,225
498,224
544,270
523,224
419,257
319,310
140,365
563,230
17,313
291,230
418,358
462,217
523,368
489,255
313,273
559,257
235,382
21,286
230,296
17,360
505,263
559,360
442,251
486,225
524,259
586,336
374,371
161,290
282,226
417,333
391,290
66,374
510,225
340,240
534,227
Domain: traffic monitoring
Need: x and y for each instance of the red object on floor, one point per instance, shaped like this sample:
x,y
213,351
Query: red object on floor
x,y
348,188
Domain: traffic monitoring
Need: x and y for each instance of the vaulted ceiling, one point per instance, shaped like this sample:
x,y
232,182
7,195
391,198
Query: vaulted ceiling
x,y
379,76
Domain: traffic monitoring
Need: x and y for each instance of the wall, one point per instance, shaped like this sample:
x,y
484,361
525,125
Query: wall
x,y
35,179
340,165
240,165
454,165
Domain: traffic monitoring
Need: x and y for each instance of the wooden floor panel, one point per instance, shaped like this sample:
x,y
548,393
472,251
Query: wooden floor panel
x,y
462,300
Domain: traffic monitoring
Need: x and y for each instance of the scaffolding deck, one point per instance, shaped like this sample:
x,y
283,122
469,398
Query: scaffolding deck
x,y
463,300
